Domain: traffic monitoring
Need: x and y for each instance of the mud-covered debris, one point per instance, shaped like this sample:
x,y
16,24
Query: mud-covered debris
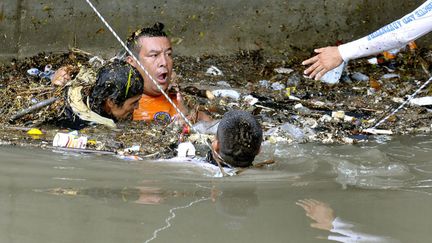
x,y
422,101
357,76
284,70
213,70
251,76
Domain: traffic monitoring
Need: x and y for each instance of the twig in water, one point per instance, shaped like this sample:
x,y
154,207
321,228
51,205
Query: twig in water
x,y
265,162
33,108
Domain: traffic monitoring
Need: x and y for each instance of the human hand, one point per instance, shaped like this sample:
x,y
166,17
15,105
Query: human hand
x,y
318,211
62,76
327,59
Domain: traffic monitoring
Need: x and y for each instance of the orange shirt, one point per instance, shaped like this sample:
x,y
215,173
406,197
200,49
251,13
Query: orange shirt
x,y
156,109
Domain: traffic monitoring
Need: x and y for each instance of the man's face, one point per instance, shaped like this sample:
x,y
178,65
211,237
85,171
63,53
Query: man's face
x,y
156,56
122,112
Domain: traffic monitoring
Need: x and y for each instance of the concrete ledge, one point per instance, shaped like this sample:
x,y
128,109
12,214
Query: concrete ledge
x,y
198,27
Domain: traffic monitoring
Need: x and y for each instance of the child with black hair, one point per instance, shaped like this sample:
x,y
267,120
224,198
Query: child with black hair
x,y
238,140
115,95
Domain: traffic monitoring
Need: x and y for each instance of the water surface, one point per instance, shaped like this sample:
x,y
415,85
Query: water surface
x,y
380,188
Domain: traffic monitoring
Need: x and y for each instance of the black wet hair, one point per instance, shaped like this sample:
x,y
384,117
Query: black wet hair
x,y
155,31
239,135
117,81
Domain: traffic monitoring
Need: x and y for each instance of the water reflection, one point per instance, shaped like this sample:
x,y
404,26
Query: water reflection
x,y
140,195
340,230
236,203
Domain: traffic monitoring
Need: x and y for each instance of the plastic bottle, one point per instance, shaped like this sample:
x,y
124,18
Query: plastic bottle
x,y
67,140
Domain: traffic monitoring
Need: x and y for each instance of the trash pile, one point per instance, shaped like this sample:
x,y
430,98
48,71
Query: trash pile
x,y
290,107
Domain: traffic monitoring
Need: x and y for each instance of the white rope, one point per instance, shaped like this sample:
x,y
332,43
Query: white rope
x,y
403,104
141,66
173,215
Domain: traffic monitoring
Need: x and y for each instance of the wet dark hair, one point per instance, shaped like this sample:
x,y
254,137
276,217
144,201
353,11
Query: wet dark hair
x,y
155,31
118,81
239,135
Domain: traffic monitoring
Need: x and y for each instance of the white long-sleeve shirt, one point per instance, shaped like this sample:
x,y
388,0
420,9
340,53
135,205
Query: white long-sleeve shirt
x,y
345,232
394,35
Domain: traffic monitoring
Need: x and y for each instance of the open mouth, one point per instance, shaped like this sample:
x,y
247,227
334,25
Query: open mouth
x,y
162,78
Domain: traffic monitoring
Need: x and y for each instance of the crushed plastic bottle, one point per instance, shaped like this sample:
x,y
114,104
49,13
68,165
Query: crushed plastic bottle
x,y
214,71
301,109
277,86
204,127
185,149
264,83
390,76
223,83
333,76
48,72
69,140
283,70
250,100
293,131
357,76
422,101
96,62
33,72
226,93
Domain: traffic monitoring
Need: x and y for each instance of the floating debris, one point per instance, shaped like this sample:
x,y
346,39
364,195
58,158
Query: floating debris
x,y
284,70
226,93
390,76
213,70
339,113
422,101
357,76
378,131
333,76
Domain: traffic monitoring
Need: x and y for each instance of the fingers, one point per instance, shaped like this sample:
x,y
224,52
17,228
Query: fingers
x,y
320,74
327,58
311,68
320,50
310,60
317,68
308,203
303,205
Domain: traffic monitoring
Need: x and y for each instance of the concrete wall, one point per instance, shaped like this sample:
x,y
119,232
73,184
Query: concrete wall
x,y
198,27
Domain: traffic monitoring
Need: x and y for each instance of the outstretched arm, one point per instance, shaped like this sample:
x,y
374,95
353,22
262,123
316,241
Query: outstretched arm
x,y
394,35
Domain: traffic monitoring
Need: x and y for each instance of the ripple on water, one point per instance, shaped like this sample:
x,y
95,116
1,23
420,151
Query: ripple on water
x,y
379,176
402,152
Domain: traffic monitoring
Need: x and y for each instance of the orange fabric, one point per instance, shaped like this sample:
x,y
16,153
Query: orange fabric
x,y
389,55
155,109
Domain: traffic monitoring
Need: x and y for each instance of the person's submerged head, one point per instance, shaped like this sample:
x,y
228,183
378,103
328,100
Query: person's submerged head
x,y
118,88
238,138
153,49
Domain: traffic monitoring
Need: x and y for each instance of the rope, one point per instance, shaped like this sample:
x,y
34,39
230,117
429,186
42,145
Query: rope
x,y
173,215
403,104
141,66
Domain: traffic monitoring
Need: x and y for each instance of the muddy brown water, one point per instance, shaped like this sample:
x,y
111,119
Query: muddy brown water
x,y
383,188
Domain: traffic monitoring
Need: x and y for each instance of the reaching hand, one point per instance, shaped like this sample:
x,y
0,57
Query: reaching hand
x,y
62,76
327,59
318,211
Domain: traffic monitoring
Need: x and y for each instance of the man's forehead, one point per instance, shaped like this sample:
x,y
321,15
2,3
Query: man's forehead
x,y
154,43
